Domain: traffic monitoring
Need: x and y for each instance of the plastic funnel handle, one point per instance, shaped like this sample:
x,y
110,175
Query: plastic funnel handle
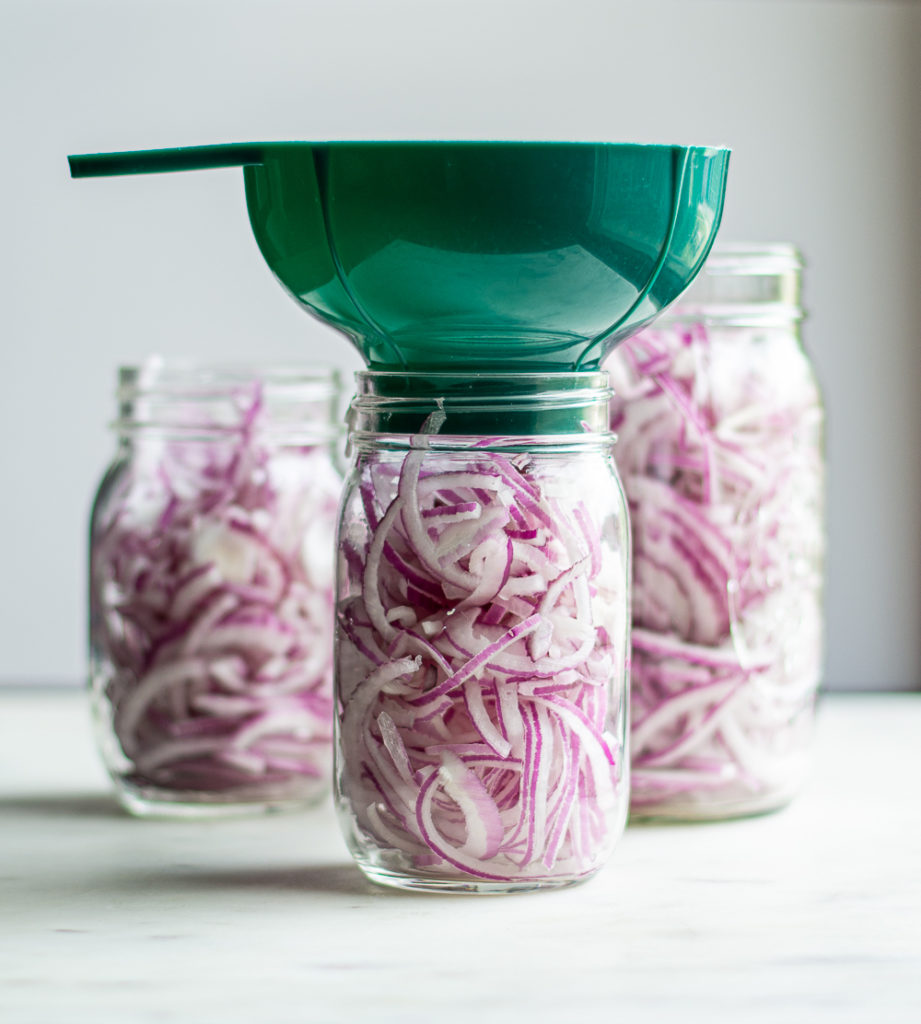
x,y
158,161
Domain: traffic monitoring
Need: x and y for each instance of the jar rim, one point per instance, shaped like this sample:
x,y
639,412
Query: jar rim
x,y
744,284
157,374
481,404
189,399
545,379
753,258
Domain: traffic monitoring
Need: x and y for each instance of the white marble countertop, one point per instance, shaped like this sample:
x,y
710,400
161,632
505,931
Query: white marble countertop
x,y
812,914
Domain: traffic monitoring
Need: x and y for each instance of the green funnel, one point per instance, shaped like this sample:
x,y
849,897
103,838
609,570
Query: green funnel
x,y
471,256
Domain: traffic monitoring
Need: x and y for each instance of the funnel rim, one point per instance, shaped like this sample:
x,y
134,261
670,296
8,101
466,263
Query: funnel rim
x,y
529,143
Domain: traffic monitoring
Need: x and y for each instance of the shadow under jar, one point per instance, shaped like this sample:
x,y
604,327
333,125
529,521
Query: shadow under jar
x,y
482,632
211,589
719,423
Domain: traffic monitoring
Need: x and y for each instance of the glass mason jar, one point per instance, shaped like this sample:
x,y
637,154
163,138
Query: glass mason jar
x,y
211,589
482,632
719,423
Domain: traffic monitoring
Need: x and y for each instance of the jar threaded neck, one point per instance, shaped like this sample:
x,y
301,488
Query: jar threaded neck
x,y
504,404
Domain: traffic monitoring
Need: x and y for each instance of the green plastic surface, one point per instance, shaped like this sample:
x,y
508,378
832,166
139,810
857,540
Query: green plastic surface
x,y
471,256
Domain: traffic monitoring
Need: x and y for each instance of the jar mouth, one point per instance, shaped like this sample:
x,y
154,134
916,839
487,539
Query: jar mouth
x,y
190,377
186,399
744,284
511,379
482,404
753,258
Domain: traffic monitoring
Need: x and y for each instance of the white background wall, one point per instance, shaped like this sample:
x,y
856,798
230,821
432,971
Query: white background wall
x,y
820,99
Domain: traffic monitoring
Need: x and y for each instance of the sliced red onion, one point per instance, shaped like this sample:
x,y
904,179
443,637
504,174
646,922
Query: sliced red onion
x,y
212,598
481,575
719,448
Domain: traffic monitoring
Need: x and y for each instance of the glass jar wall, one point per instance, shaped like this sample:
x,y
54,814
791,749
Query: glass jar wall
x,y
211,589
482,632
719,425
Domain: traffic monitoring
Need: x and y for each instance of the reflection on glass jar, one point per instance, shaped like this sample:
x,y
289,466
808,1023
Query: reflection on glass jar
x,y
211,589
719,424
482,633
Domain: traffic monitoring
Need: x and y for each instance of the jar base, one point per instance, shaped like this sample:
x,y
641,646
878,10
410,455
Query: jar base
x,y
464,886
154,802
690,813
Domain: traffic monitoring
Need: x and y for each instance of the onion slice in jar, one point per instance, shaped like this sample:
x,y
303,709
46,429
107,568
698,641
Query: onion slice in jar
x,y
466,760
211,598
724,478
